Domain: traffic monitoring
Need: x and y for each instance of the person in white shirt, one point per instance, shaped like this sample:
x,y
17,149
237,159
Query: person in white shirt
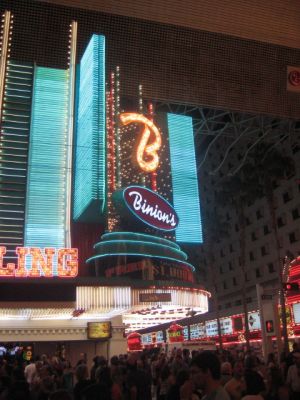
x,y
30,372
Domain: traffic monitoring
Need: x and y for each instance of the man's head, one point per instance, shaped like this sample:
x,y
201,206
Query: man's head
x,y
238,369
295,346
205,369
226,368
186,353
296,358
250,362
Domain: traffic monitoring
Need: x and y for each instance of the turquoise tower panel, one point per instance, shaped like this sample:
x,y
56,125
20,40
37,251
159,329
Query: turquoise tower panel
x,y
90,154
46,209
186,199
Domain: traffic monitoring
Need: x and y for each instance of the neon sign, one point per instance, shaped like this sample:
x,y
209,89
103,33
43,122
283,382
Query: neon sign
x,y
34,262
162,271
151,208
146,155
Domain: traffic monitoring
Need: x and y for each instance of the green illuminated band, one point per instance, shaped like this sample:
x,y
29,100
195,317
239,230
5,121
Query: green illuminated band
x,y
139,236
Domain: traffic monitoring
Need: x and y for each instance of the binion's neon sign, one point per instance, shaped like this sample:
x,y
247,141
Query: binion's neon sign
x,y
34,262
150,207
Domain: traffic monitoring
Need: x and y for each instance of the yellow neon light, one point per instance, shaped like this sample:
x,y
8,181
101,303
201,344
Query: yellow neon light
x,y
144,149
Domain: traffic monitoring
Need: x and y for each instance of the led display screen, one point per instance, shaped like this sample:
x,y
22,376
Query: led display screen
x,y
99,330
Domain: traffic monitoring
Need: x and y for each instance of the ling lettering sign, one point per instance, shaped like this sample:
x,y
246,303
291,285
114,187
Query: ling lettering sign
x,y
34,262
150,208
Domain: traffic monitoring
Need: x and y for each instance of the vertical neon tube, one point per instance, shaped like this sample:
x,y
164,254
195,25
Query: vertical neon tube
x,y
72,73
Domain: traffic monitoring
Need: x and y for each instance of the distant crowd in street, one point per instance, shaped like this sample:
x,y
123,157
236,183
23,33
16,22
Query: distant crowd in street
x,y
153,375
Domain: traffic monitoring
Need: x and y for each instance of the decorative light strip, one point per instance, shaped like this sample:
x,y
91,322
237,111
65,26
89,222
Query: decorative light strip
x,y
141,247
112,254
109,219
102,298
71,75
90,161
111,137
184,179
113,148
139,236
48,156
14,139
5,39
117,129
196,299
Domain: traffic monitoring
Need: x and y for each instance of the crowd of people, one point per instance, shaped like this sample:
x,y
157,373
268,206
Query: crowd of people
x,y
153,375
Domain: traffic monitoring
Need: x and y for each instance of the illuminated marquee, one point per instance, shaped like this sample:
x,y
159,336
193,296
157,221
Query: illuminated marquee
x,y
146,155
41,263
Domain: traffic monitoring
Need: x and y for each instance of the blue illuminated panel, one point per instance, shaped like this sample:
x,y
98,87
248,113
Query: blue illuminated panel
x,y
89,191
186,199
47,179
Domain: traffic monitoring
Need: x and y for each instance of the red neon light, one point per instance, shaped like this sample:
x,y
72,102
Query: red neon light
x,y
111,132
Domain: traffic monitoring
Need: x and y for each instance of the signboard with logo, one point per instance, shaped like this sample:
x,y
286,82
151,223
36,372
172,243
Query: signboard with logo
x,y
175,333
211,328
293,79
238,323
158,269
296,312
148,207
134,341
154,297
254,321
99,330
185,333
197,331
226,326
159,336
146,339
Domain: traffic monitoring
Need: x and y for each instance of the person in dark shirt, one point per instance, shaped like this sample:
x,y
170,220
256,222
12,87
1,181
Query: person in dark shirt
x,y
174,391
82,374
101,389
254,381
138,381
19,388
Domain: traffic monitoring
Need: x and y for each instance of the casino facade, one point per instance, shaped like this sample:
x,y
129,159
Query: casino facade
x,y
94,202
113,123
